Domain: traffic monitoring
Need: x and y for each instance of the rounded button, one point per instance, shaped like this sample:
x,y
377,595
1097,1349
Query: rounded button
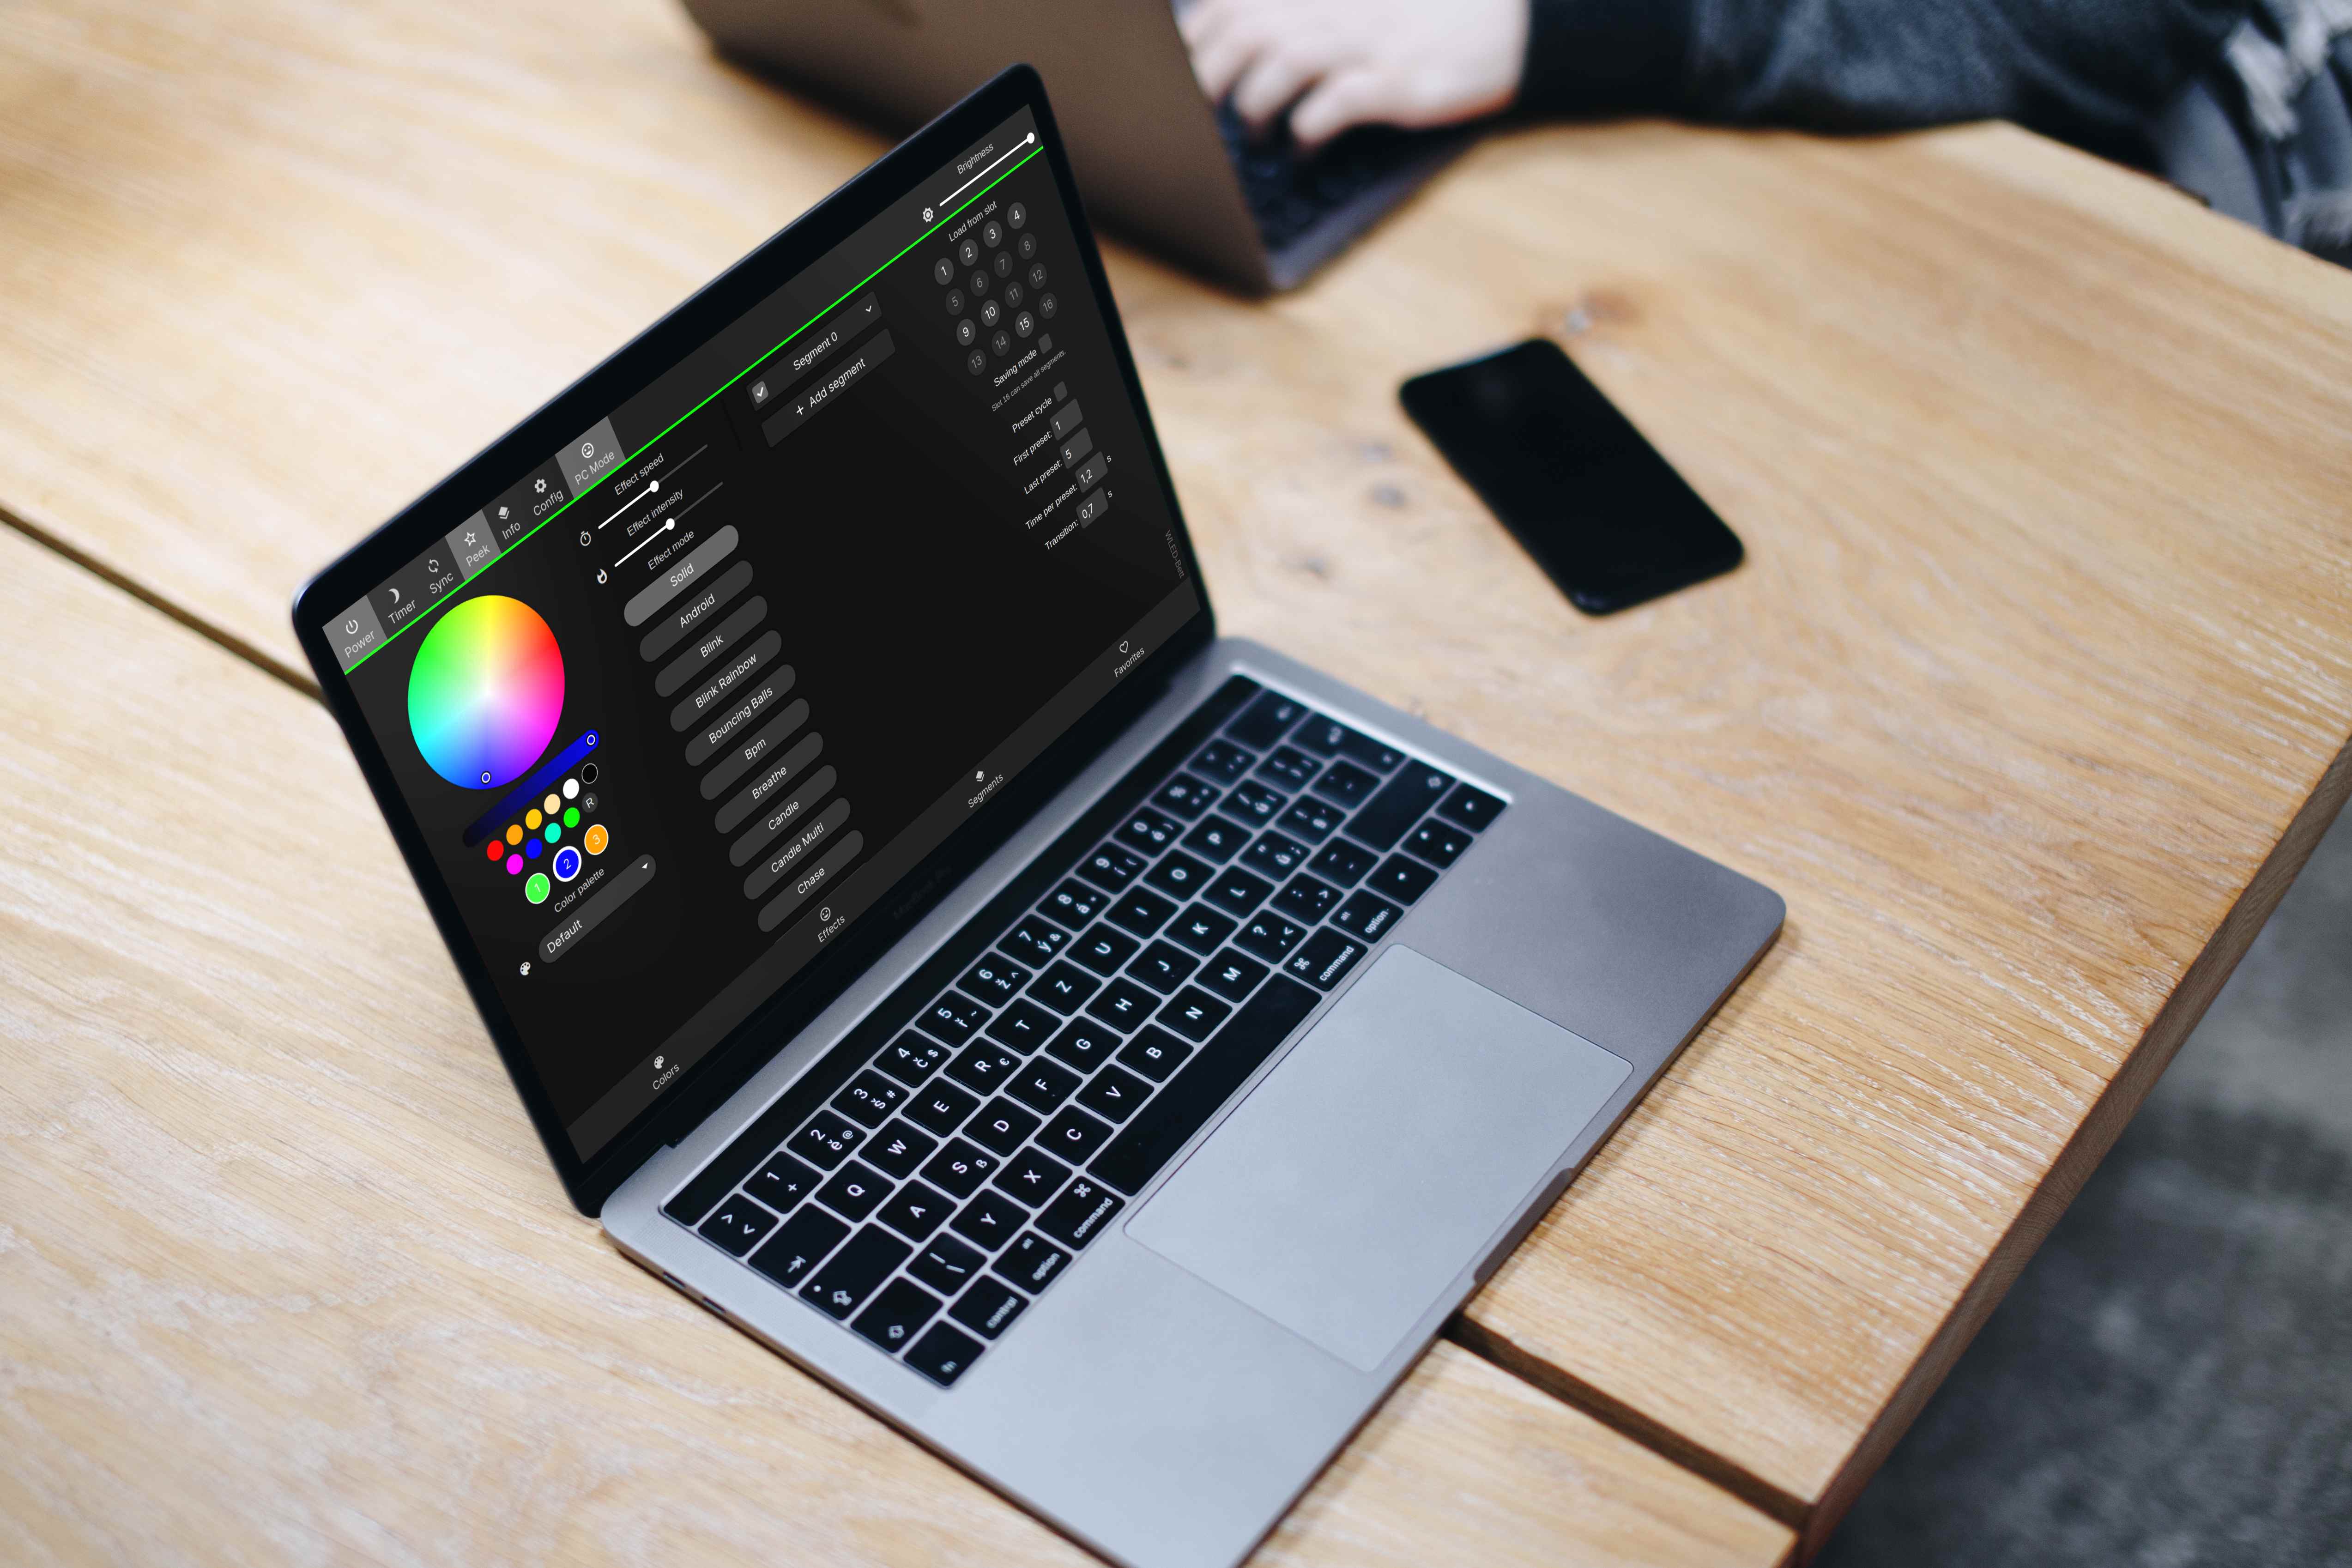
x,y
1037,276
944,270
1017,214
1023,324
1003,265
968,252
955,301
979,283
595,838
567,863
1047,305
1002,343
570,816
1013,295
977,362
990,313
966,333
532,849
537,888
571,789
991,234
1028,246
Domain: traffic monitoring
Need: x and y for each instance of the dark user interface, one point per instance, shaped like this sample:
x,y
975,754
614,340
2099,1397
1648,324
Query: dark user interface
x,y
684,700
1607,518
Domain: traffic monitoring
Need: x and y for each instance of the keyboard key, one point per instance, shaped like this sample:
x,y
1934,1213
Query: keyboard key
x,y
1186,796
1194,1013
1035,940
1266,721
1022,1028
1063,987
1401,880
1255,803
1033,1263
989,1307
870,1099
912,1059
983,1067
1084,1045
1238,892
1080,1213
1223,761
1073,1136
782,1182
1312,820
1270,937
1325,960
988,1221
1400,803
851,1274
941,1109
750,1150
1276,855
1232,976
1307,898
1074,904
1148,832
1001,1126
1105,951
952,1018
737,1224
1290,768
1143,911
798,1245
902,1309
1132,1158
1114,1094
1163,966
1439,843
946,1265
914,1211
826,1141
995,980
1214,838
853,1191
1367,915
1347,784
1179,875
1471,806
1342,862
897,1149
1329,738
1042,1086
1155,1053
1031,1177
1202,930
959,1168
1123,1005
942,1354
1111,867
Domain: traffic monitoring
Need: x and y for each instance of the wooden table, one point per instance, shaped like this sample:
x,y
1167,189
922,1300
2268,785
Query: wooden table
x,y
2033,695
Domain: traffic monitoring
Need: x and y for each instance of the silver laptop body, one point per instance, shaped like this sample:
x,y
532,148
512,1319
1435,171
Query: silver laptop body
x,y
1144,143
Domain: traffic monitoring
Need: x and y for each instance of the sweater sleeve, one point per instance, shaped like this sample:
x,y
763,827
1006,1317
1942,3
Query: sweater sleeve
x,y
2089,71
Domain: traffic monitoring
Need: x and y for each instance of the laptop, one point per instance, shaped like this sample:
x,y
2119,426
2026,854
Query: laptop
x,y
1157,161
1105,1049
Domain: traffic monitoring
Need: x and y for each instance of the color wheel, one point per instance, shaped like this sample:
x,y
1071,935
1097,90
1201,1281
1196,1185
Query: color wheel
x,y
487,692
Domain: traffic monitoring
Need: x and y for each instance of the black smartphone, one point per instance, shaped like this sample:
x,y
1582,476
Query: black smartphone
x,y
1607,518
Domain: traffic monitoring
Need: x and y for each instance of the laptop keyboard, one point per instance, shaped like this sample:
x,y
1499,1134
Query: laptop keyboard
x,y
1288,193
926,1181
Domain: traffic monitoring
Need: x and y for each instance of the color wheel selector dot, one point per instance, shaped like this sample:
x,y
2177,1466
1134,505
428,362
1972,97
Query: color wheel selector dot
x,y
536,889
514,865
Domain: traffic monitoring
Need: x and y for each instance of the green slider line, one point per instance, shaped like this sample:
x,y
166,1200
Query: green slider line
x,y
757,361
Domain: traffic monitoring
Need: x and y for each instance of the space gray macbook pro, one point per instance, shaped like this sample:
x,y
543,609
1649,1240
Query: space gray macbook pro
x,y
1105,1050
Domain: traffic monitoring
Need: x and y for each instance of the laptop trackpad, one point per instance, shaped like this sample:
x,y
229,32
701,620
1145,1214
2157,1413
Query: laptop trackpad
x,y
1377,1159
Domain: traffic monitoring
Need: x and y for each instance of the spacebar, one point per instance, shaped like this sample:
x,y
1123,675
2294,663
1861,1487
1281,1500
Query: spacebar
x,y
1208,1080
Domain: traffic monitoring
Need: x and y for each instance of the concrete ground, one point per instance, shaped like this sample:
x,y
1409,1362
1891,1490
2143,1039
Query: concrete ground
x,y
2170,1384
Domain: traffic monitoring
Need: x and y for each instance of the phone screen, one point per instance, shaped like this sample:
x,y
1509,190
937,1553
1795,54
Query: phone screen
x,y
1607,518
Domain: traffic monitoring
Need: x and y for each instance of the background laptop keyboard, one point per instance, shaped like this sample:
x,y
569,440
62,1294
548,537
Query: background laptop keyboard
x,y
996,1114
1289,193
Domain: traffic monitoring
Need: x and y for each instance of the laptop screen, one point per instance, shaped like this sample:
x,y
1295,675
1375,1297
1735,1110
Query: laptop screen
x,y
673,708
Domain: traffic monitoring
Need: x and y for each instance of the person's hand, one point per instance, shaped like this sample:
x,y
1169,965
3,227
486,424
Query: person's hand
x,y
1339,63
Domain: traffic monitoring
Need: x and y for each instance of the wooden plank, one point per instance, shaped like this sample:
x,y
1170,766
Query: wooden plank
x,y
288,1278
2036,664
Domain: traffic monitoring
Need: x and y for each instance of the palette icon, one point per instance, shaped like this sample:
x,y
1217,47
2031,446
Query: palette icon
x,y
487,692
